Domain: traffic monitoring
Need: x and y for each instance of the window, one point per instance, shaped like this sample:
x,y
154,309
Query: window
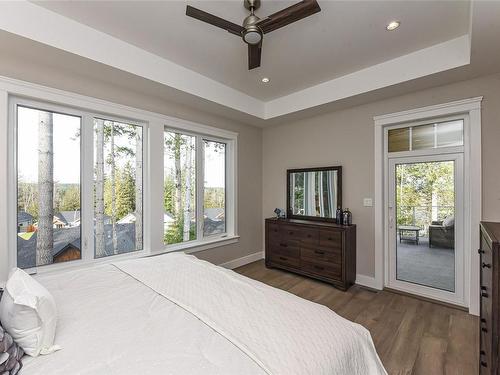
x,y
179,188
194,187
425,137
85,181
214,188
48,187
53,150
118,208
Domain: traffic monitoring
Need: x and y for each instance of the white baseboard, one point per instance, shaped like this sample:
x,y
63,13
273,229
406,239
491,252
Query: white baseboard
x,y
232,264
367,281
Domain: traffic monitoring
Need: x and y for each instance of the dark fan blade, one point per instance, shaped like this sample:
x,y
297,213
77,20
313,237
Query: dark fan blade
x,y
254,52
214,20
288,15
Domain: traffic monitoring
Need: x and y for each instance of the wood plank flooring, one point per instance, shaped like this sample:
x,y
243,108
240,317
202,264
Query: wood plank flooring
x,y
411,336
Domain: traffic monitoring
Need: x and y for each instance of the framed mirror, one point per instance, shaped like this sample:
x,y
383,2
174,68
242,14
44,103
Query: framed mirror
x,y
314,193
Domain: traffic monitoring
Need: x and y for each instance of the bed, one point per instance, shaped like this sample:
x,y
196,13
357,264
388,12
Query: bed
x,y
175,314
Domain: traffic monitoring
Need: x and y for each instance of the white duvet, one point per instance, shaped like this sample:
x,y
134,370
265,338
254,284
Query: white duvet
x,y
175,314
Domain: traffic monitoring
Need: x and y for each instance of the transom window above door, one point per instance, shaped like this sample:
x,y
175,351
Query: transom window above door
x,y
426,136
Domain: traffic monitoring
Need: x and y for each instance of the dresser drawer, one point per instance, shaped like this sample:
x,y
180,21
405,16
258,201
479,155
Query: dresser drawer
x,y
330,270
330,255
297,233
330,239
485,354
286,249
284,260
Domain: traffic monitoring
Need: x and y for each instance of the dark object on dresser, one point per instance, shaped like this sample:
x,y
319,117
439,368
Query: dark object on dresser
x,y
489,323
321,250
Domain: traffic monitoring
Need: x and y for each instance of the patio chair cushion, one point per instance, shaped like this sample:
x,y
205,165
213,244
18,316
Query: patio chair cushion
x,y
449,222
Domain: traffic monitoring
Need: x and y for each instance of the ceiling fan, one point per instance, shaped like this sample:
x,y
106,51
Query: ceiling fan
x,y
254,28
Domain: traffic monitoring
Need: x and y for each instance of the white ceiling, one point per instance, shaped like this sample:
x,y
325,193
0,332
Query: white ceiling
x,y
344,37
339,57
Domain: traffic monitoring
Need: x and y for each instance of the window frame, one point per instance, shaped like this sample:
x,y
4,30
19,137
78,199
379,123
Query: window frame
x,y
42,97
230,203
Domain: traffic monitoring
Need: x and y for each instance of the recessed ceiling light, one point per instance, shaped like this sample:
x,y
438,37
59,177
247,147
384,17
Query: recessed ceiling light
x,y
265,80
393,25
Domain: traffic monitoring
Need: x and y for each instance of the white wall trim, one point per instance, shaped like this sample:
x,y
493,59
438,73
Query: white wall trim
x,y
30,21
235,263
368,281
471,107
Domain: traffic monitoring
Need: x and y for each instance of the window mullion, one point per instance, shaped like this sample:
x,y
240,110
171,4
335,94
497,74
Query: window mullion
x,y
200,178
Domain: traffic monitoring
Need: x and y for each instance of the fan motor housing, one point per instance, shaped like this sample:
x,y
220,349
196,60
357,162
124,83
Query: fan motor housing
x,y
249,4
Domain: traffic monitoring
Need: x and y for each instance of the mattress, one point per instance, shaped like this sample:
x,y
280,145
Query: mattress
x,y
175,314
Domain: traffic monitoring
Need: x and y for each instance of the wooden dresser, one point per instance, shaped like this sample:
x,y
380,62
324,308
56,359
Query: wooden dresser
x,y
321,250
489,276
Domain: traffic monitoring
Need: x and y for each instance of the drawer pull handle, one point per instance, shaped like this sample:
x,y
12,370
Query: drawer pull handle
x,y
484,364
486,265
485,295
485,330
480,251
290,233
319,268
319,252
482,352
283,258
283,245
483,320
309,236
330,239
483,287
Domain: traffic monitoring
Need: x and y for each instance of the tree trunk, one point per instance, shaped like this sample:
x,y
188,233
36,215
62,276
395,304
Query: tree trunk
x,y
45,235
113,189
187,199
178,182
100,249
138,189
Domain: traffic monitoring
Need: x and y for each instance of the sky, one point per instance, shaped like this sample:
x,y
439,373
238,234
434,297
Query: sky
x,y
66,147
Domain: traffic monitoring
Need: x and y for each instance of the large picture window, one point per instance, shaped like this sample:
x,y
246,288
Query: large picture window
x,y
194,187
48,187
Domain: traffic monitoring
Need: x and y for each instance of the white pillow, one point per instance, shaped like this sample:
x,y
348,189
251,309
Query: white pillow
x,y
28,312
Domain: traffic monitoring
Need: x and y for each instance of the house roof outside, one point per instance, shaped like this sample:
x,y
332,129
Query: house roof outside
x,y
26,248
217,213
23,217
68,217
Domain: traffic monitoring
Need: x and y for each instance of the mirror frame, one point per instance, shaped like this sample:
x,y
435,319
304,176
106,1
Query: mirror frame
x,y
289,212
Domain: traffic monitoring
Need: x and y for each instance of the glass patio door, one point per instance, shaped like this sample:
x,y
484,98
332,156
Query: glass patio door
x,y
425,214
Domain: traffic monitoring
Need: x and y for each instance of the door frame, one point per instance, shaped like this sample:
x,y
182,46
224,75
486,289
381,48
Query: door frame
x,y
472,189
458,296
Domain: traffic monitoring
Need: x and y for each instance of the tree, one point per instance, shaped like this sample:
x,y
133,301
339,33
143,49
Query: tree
x,y
138,188
112,163
187,181
70,199
45,235
99,189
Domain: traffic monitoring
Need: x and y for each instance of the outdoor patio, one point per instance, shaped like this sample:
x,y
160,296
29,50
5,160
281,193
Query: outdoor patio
x,y
434,267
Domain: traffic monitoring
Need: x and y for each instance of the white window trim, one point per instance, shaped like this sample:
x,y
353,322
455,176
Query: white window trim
x,y
154,124
472,176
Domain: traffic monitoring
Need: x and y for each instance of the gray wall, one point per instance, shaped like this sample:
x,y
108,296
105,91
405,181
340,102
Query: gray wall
x,y
346,138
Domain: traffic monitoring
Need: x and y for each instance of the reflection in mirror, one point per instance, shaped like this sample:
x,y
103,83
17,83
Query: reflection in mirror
x,y
314,193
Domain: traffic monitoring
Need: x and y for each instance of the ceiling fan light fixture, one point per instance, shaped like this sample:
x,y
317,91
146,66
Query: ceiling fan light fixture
x,y
252,35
